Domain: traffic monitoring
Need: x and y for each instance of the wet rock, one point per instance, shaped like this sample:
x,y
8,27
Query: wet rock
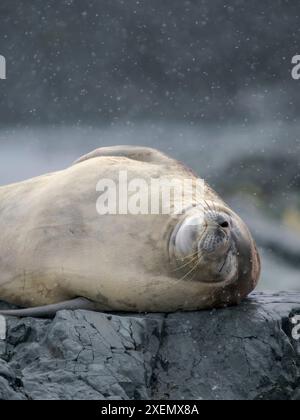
x,y
246,352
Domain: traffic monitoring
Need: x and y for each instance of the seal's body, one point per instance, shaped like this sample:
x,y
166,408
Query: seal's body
x,y
55,247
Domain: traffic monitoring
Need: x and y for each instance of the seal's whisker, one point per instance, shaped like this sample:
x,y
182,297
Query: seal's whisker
x,y
213,208
204,232
199,239
192,256
200,204
209,209
204,206
186,264
216,210
212,211
189,256
207,205
191,271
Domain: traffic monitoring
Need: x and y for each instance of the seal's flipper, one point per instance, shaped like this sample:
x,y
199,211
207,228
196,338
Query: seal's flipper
x,y
49,311
139,153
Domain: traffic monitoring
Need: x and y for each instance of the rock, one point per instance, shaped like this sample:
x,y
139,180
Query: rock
x,y
246,352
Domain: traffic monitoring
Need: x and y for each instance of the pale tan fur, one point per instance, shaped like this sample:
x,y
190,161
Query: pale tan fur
x,y
54,245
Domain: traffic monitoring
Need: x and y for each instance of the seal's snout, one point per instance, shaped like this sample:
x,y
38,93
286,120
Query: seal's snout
x,y
216,241
217,234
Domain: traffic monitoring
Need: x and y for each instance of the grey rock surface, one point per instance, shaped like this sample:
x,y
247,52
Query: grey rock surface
x,y
246,352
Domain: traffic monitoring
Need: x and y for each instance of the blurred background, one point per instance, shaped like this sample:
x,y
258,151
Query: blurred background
x,y
206,81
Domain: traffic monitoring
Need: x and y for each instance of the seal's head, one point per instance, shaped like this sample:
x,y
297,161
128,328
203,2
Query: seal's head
x,y
212,245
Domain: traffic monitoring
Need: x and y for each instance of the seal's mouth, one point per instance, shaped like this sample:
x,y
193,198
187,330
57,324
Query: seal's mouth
x,y
225,260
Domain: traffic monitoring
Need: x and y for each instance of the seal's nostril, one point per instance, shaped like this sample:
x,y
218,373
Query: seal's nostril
x,y
224,225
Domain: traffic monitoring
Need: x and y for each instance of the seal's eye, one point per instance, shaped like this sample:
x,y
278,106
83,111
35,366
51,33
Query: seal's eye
x,y
224,225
